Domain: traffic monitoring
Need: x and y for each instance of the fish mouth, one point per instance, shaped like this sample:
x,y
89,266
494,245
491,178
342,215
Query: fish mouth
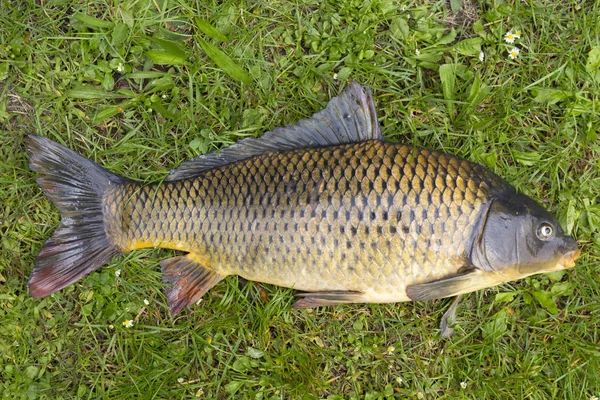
x,y
568,260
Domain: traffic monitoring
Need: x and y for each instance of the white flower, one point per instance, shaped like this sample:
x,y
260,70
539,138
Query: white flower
x,y
335,76
510,37
118,273
517,34
164,96
179,380
593,398
513,53
128,323
481,56
146,302
399,380
418,52
463,385
120,67
111,326
200,393
390,350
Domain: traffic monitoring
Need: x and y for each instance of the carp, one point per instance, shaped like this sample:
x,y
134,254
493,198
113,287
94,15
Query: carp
x,y
326,206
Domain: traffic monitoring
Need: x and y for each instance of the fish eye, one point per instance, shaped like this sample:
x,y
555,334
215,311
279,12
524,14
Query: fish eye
x,y
545,231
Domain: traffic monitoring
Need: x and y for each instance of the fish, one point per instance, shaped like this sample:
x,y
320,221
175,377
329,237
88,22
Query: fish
x,y
325,206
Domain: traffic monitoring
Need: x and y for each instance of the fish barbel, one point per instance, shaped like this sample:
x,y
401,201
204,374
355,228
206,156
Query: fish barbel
x,y
325,206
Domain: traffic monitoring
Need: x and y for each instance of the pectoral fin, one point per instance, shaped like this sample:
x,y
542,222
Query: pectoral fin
x,y
190,280
319,299
449,318
464,282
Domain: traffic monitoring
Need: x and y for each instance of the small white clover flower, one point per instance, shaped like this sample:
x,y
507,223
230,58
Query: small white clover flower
x,y
118,273
179,380
418,52
481,56
510,37
164,96
120,67
513,53
111,326
146,302
128,323
463,385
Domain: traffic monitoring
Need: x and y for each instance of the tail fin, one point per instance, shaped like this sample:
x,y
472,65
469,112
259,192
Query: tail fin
x,y
76,186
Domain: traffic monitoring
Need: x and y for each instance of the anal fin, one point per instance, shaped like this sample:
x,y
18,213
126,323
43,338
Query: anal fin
x,y
190,280
332,298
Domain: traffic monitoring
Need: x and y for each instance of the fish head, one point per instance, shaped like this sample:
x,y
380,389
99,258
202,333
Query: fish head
x,y
518,238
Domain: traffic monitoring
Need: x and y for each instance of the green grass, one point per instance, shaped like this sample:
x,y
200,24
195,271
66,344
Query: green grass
x,y
533,120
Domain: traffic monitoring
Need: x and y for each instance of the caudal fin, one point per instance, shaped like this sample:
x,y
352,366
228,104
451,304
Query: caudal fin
x,y
76,186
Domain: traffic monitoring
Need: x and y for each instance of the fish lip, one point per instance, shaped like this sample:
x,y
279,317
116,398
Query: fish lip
x,y
568,260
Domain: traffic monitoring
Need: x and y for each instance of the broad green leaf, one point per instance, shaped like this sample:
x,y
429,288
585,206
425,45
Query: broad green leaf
x,y
448,77
561,289
556,276
528,158
550,96
344,73
162,57
87,92
3,71
469,47
170,47
224,62
399,28
456,6
572,216
497,326
162,83
233,386
254,353
211,31
119,34
108,83
546,301
593,61
449,38
478,29
244,364
504,297
146,75
162,110
93,22
103,115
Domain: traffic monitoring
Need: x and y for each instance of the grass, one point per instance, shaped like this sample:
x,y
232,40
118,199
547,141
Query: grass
x,y
141,86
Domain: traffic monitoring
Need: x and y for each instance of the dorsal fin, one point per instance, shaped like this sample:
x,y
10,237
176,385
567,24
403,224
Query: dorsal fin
x,y
348,118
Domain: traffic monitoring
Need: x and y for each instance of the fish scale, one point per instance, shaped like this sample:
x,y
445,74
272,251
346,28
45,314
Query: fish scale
x,y
325,205
370,217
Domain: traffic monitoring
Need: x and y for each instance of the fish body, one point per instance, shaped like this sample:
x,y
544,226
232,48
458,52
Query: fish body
x,y
325,206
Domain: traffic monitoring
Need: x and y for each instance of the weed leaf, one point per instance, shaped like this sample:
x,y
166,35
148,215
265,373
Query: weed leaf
x,y
224,62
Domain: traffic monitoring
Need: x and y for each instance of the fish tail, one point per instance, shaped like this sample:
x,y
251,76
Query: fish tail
x,y
76,186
